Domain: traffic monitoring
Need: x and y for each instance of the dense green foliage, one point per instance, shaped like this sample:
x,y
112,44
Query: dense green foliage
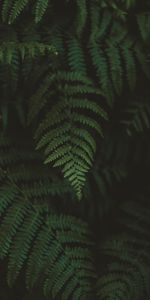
x,y
75,148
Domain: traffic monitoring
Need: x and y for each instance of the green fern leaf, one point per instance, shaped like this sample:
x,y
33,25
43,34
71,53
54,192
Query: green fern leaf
x,y
52,255
58,132
76,57
136,117
105,21
22,244
41,7
81,16
10,225
116,67
99,60
7,195
143,21
94,18
16,10
7,4
143,60
130,64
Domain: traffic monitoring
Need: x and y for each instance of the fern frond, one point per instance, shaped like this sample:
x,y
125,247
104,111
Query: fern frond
x,y
46,244
130,63
37,104
105,21
143,21
142,59
136,117
17,8
99,60
81,16
7,4
100,22
57,265
7,195
22,243
61,76
126,277
58,131
52,250
10,225
89,105
113,53
94,19
31,50
40,9
122,282
57,38
76,57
